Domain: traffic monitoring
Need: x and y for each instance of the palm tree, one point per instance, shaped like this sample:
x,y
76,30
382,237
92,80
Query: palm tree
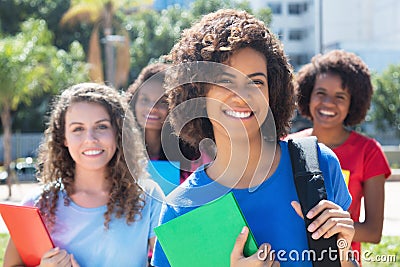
x,y
18,76
29,67
101,14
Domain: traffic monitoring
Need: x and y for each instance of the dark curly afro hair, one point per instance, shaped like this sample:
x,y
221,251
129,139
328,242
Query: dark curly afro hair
x,y
355,77
215,38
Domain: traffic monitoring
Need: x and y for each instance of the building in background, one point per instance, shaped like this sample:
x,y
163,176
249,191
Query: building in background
x,y
297,25
369,28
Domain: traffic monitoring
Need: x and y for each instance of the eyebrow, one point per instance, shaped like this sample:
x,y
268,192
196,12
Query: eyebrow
x,y
99,121
249,76
344,92
257,74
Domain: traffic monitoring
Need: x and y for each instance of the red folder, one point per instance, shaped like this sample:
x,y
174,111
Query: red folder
x,y
28,232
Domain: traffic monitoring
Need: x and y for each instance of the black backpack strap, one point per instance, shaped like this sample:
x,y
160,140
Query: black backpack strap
x,y
310,189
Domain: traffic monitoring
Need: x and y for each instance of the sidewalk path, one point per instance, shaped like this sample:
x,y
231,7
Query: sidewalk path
x,y
391,224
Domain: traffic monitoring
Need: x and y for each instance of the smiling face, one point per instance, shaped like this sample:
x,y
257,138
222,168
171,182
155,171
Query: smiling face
x,y
89,136
329,102
238,104
151,107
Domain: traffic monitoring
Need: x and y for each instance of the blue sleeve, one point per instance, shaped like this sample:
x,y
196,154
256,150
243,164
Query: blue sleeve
x,y
336,188
159,258
31,199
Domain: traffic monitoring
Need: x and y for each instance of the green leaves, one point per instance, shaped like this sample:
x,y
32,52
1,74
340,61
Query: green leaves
x,y
31,65
32,70
153,33
386,99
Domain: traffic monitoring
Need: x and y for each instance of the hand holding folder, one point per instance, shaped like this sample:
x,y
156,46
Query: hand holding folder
x,y
28,232
206,235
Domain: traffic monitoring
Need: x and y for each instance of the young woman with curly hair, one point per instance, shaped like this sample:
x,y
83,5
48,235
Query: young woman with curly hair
x,y
93,200
149,105
232,83
335,91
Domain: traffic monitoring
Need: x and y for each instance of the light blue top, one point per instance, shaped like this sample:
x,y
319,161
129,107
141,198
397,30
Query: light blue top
x,y
267,209
81,231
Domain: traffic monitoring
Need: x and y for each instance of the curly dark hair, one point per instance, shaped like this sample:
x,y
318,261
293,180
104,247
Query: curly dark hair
x,y
157,72
355,77
57,168
215,38
145,74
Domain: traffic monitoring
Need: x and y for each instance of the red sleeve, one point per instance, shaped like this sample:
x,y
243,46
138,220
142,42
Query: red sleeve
x,y
376,162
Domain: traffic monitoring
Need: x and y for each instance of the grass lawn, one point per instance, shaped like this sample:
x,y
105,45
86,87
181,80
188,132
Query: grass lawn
x,y
386,253
388,249
3,244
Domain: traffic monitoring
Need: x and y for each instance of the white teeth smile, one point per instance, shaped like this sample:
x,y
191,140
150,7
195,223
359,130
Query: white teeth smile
x,y
153,117
92,152
327,113
238,114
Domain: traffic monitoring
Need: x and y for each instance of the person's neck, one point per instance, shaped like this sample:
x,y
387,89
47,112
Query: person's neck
x,y
91,188
243,164
153,142
331,137
91,180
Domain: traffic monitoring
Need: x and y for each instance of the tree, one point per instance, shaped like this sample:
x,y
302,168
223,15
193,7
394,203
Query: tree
x,y
101,14
385,109
31,66
14,12
154,33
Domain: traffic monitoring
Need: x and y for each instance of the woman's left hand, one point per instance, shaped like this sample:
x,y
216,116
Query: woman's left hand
x,y
331,220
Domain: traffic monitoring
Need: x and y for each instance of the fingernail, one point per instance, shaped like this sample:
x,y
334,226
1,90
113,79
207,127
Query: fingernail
x,y
243,230
310,214
314,235
311,227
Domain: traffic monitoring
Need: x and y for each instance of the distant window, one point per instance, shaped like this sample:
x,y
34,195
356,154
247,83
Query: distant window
x,y
297,34
297,8
279,33
276,8
298,59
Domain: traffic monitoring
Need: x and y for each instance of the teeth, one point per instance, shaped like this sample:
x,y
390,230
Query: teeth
x,y
153,117
238,114
92,152
327,113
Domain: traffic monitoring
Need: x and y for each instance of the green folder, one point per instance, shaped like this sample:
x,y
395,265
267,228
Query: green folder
x,y
206,235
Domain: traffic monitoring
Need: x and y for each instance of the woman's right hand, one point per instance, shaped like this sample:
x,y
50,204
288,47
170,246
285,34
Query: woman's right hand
x,y
263,257
57,257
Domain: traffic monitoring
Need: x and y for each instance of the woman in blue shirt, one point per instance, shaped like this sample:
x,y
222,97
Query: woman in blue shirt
x,y
94,202
232,83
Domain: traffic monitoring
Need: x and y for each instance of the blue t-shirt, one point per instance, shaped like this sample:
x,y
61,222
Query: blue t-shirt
x,y
267,208
81,232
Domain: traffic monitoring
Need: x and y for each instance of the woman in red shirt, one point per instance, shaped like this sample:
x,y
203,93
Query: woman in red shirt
x,y
335,91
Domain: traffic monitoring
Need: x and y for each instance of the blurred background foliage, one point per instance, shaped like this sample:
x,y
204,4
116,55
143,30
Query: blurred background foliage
x,y
385,110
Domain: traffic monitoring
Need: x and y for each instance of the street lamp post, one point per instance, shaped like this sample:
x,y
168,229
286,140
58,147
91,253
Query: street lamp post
x,y
111,41
320,27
